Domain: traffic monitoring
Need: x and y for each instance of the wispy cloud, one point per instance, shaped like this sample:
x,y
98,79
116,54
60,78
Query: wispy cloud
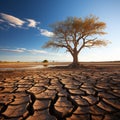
x,y
22,50
46,33
32,23
18,50
34,51
11,20
1,20
17,22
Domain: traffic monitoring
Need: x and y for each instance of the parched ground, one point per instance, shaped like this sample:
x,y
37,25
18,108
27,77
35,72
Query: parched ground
x,y
89,93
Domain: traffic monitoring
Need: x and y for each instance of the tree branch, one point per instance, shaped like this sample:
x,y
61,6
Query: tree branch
x,y
68,46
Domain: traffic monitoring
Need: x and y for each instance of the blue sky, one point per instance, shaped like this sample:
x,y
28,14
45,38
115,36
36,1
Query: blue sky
x,y
24,28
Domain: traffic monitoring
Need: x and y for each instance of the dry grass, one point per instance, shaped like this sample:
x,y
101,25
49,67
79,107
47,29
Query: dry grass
x,y
31,64
27,64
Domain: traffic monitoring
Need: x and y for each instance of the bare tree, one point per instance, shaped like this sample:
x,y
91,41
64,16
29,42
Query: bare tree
x,y
74,34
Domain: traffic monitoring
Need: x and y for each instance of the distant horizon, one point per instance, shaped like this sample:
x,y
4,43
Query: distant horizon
x,y
60,61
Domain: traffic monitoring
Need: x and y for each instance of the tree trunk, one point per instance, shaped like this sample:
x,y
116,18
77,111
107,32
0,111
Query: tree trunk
x,y
75,63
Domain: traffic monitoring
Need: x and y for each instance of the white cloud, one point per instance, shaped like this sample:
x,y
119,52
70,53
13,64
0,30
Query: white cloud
x,y
32,23
26,23
11,20
46,33
21,50
1,20
34,51
13,25
16,22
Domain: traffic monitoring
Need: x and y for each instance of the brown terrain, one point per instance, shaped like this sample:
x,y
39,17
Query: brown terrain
x,y
91,92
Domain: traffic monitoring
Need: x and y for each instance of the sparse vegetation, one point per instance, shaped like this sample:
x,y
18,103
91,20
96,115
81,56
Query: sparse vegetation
x,y
45,61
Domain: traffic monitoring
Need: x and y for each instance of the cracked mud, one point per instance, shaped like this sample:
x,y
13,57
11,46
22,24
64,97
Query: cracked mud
x,y
91,94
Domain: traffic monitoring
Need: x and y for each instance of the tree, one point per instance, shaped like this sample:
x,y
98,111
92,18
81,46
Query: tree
x,y
45,61
74,34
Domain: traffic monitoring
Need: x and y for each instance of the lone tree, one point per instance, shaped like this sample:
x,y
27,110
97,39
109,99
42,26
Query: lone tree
x,y
74,34
45,61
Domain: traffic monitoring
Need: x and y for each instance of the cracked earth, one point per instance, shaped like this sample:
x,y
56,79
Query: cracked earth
x,y
51,94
